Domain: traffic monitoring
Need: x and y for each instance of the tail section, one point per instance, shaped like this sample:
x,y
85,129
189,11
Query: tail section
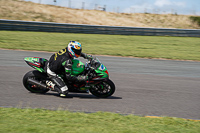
x,y
36,62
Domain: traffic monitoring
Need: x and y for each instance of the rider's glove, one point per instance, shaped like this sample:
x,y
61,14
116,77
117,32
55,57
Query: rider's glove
x,y
89,57
82,78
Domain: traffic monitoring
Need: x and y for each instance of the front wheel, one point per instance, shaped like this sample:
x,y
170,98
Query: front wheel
x,y
103,89
36,75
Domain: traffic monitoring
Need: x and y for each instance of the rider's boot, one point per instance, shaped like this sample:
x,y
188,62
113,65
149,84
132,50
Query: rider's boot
x,y
60,86
64,91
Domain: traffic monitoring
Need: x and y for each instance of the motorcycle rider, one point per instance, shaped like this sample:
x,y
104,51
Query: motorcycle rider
x,y
62,61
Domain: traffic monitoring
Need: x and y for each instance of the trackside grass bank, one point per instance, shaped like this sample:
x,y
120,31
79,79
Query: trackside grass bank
x,y
14,120
180,48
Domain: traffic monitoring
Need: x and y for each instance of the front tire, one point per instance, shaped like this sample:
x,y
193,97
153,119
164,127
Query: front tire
x,y
103,89
37,76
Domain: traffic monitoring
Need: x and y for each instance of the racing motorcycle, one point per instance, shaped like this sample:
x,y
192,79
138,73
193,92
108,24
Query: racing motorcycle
x,y
98,83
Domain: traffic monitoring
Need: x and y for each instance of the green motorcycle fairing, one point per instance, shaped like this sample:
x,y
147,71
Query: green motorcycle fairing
x,y
102,71
78,67
36,62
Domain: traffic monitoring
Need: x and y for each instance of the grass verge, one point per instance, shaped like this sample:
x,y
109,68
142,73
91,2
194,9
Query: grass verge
x,y
13,120
180,48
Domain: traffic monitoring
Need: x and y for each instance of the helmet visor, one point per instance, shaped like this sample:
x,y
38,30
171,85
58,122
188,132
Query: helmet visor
x,y
77,52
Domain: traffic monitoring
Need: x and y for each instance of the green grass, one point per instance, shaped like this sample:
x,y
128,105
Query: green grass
x,y
13,120
181,48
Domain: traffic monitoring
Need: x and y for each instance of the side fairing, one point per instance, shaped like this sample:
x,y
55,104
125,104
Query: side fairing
x,y
77,67
102,71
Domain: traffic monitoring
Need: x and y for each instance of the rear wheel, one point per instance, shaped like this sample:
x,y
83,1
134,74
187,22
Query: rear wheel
x,y
36,75
103,89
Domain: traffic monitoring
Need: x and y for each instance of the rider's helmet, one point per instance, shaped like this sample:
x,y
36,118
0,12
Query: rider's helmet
x,y
74,48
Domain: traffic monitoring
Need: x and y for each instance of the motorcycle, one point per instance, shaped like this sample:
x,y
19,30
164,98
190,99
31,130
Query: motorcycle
x,y
98,83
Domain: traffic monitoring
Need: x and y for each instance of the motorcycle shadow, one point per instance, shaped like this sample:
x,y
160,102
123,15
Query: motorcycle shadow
x,y
89,96
80,95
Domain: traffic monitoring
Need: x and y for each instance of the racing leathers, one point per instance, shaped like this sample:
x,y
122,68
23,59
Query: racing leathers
x,y
62,62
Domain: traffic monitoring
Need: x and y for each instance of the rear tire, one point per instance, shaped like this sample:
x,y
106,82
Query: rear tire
x,y
37,76
103,89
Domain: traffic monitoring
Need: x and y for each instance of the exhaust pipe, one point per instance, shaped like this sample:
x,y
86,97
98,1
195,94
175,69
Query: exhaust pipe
x,y
35,82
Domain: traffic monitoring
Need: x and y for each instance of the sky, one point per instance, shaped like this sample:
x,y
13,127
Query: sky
x,y
187,7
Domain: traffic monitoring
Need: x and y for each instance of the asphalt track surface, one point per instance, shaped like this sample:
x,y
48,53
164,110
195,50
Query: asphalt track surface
x,y
143,87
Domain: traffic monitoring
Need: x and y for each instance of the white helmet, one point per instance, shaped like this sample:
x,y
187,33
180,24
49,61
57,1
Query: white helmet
x,y
74,48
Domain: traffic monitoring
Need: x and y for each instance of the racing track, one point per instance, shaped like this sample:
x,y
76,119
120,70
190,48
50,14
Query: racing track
x,y
143,87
